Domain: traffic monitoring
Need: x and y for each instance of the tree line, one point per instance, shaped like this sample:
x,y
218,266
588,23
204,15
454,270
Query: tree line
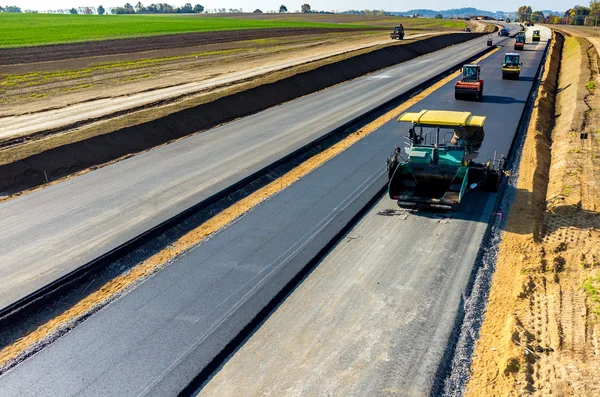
x,y
577,15
157,8
10,9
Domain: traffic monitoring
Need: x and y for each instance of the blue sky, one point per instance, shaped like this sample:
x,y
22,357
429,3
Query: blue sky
x,y
339,5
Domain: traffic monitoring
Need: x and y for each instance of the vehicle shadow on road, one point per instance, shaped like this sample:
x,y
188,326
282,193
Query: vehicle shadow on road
x,y
482,207
503,100
476,206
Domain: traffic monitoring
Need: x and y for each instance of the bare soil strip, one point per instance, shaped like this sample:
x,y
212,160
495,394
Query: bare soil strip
x,y
46,121
12,56
541,335
68,154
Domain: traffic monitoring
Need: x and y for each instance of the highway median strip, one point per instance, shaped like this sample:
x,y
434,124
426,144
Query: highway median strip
x,y
46,333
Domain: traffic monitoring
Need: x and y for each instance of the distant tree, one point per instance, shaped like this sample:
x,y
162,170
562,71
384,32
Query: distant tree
x,y
139,8
439,16
12,9
537,16
88,11
186,9
129,8
305,8
101,10
1,9
73,11
594,7
282,8
523,13
198,9
257,11
577,15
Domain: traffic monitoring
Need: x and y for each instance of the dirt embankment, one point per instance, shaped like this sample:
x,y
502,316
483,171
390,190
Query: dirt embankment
x,y
56,52
541,335
64,160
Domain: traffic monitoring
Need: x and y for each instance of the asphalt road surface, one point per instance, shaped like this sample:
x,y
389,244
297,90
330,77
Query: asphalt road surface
x,y
375,316
156,338
53,231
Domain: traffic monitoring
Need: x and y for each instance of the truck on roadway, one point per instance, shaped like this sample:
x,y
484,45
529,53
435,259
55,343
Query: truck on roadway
x,y
470,85
511,67
440,168
398,33
520,41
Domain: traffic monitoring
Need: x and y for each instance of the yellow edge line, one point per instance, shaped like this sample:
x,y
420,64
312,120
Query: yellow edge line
x,y
211,226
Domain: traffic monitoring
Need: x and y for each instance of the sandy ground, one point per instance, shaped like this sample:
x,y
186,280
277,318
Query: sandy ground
x,y
540,334
62,110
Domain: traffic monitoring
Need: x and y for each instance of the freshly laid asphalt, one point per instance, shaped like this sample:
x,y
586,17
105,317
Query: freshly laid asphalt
x,y
156,338
54,231
376,315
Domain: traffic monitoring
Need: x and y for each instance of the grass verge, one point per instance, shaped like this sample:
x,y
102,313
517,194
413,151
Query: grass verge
x,y
58,28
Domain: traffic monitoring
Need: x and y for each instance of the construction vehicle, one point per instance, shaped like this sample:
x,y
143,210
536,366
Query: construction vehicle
x,y
511,68
519,41
536,36
470,86
504,32
440,169
398,33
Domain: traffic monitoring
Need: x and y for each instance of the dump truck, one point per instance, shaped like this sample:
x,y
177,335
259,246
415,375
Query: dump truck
x,y
519,41
470,85
398,33
440,168
536,36
511,67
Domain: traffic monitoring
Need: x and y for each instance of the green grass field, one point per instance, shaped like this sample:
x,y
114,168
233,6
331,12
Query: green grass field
x,y
17,30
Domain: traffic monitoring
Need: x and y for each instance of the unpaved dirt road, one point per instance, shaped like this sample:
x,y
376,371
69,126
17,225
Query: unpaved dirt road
x,y
54,119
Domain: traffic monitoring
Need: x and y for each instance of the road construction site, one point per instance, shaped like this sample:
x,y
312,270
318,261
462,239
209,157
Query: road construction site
x,y
74,143
325,282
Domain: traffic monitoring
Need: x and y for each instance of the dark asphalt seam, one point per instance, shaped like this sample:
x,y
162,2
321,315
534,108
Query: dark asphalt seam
x,y
235,344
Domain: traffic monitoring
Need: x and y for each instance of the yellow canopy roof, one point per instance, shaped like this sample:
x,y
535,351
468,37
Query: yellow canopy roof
x,y
443,118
